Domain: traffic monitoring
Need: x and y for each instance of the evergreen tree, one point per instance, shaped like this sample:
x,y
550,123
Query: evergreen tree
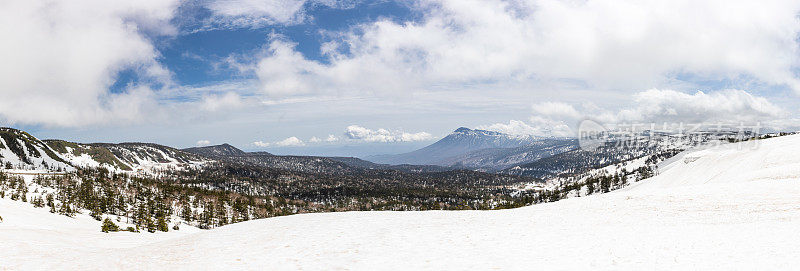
x,y
50,202
109,226
66,210
38,202
222,215
186,213
161,224
605,184
207,216
149,224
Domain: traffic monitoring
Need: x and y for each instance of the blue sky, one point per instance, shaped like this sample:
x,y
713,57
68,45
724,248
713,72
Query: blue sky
x,y
189,54
192,55
368,77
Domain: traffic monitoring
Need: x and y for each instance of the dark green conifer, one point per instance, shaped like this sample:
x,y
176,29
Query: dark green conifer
x,y
109,226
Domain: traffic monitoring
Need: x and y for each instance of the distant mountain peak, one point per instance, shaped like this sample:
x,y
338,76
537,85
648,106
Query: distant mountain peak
x,y
217,150
477,132
461,141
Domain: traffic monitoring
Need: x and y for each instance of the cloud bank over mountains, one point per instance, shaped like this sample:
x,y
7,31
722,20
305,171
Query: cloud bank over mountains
x,y
356,132
651,106
352,134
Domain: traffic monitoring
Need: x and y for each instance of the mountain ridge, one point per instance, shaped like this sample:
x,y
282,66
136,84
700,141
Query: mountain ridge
x,y
216,150
480,149
20,150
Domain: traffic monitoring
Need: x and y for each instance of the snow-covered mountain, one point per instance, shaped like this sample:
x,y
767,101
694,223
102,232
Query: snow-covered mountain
x,y
730,207
495,159
20,150
151,157
480,149
613,151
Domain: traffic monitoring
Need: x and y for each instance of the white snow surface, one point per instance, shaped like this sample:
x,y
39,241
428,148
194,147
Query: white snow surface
x,y
36,163
731,208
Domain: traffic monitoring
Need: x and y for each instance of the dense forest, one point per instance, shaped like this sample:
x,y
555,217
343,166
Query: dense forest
x,y
216,197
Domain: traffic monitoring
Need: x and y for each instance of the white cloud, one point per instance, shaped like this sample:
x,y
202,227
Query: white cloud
x,y
261,13
331,138
61,57
328,139
290,142
538,126
203,142
356,132
653,106
556,109
603,44
219,102
286,72
721,106
261,144
551,127
257,12
411,137
514,127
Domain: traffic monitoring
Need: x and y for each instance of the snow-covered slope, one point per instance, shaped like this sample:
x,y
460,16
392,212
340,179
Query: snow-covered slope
x,y
750,161
19,150
725,208
150,157
34,239
22,151
496,159
139,157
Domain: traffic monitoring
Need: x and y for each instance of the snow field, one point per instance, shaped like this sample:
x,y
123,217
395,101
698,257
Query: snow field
x,y
731,208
